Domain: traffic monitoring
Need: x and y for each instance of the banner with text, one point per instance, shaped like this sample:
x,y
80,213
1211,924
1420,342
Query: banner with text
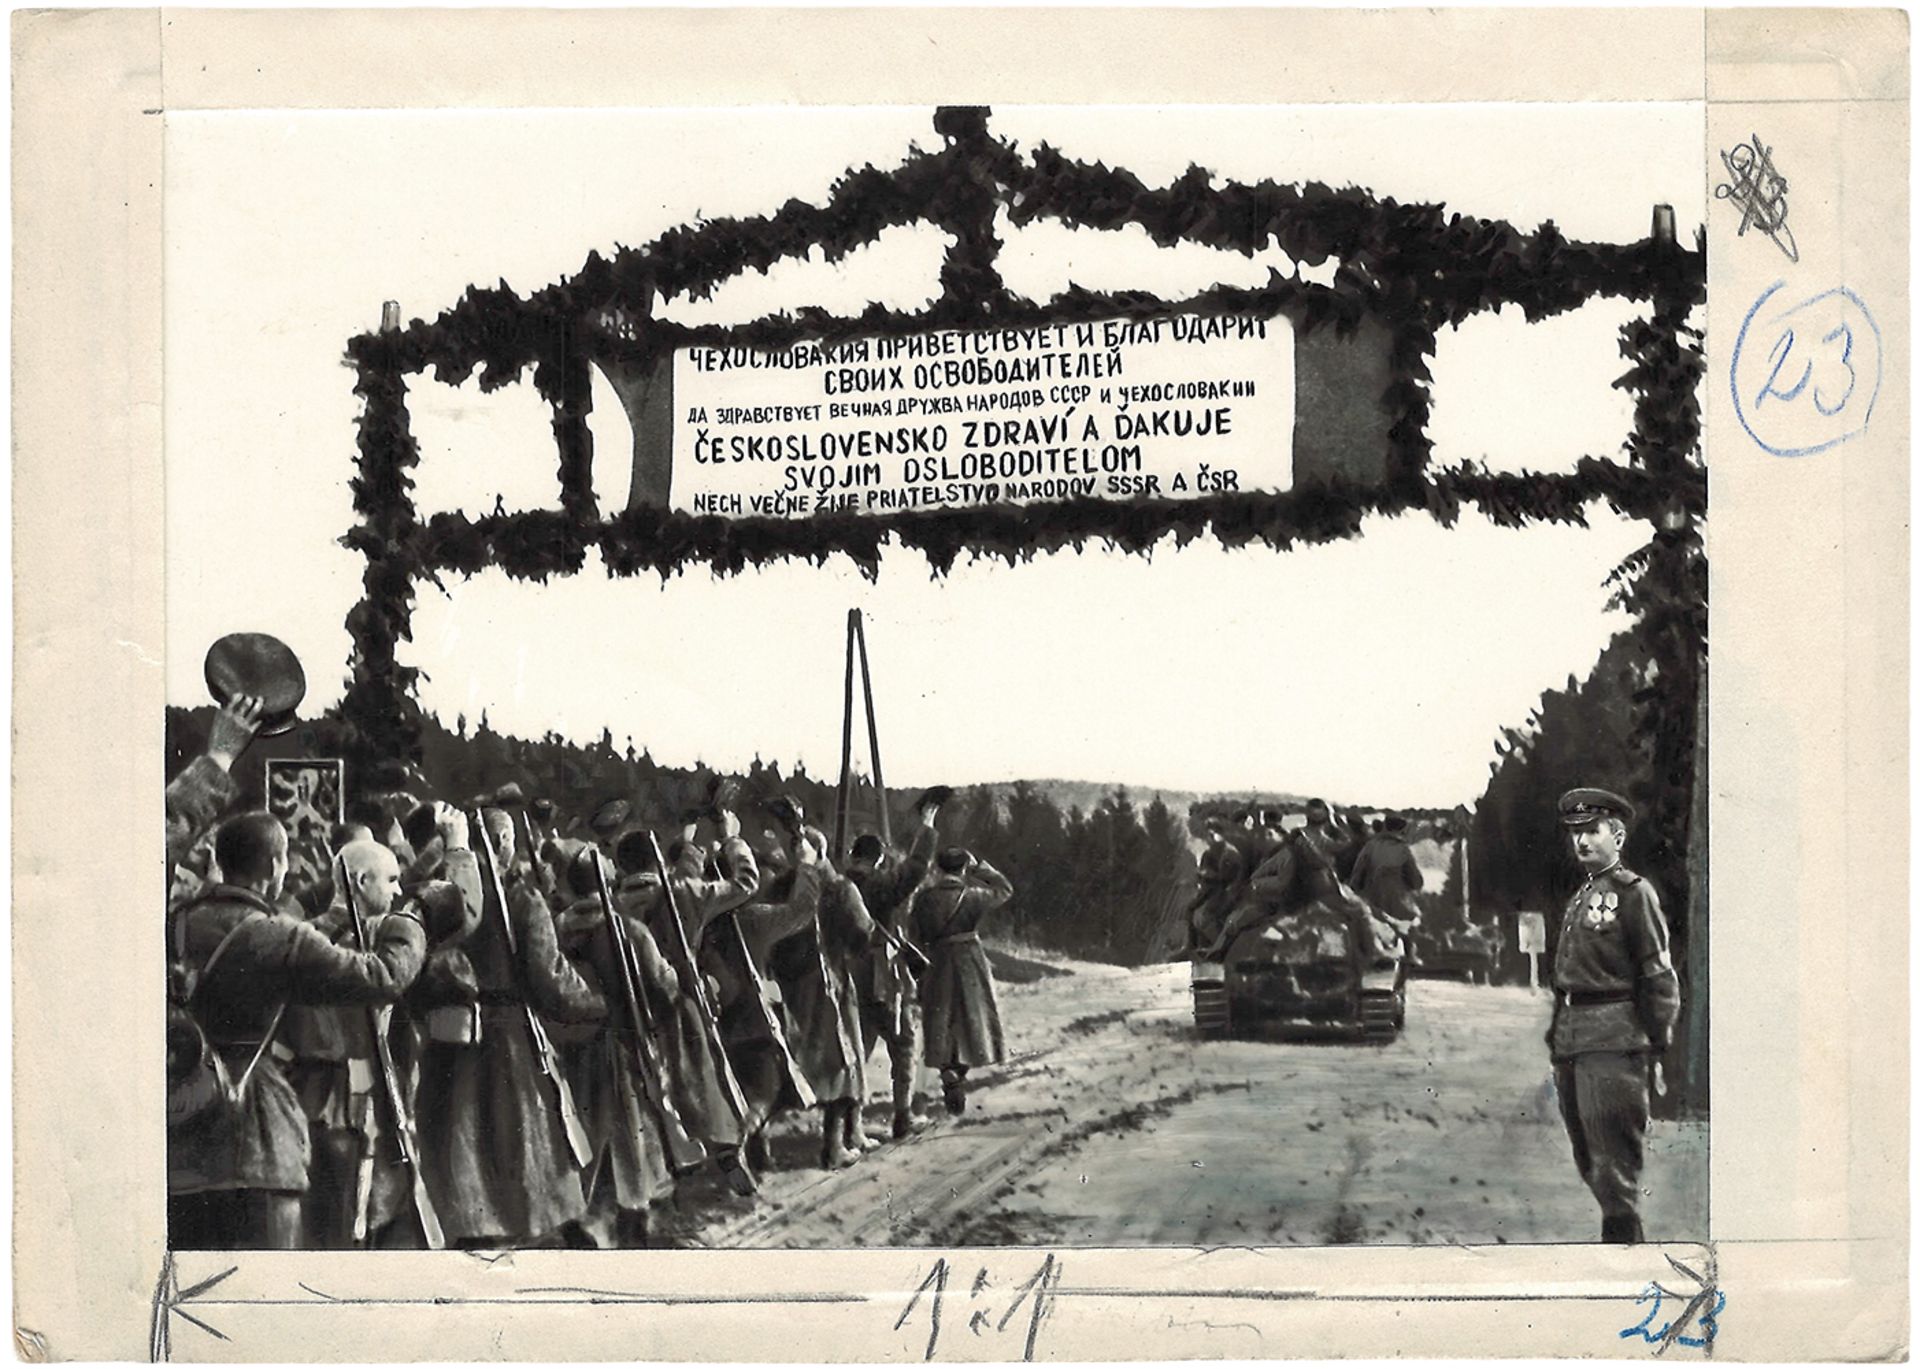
x,y
1173,407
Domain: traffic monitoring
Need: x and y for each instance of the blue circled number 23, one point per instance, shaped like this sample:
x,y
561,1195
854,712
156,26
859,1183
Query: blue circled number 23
x,y
1805,377
1781,354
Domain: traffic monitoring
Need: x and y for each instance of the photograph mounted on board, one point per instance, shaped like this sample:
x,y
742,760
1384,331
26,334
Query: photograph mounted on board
x,y
1267,555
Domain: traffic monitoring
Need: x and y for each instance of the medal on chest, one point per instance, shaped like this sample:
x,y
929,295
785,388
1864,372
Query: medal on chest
x,y
1600,909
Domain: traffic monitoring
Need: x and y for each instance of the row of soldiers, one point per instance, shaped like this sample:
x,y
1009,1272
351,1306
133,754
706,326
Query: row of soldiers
x,y
1249,865
474,1030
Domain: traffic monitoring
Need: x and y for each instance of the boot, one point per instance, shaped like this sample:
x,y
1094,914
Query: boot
x,y
733,1168
632,1229
833,1149
856,1132
1622,1229
953,1091
906,1123
758,1152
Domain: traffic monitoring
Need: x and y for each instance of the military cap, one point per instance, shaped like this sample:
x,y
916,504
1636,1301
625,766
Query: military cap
x,y
1241,815
391,775
263,666
1394,822
610,817
580,870
1213,823
935,797
541,810
1578,807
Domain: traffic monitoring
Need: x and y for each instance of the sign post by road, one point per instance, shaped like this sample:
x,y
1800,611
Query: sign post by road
x,y
1533,944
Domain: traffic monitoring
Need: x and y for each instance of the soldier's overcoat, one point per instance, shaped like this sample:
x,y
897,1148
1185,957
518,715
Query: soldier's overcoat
x,y
493,1148
962,1015
815,972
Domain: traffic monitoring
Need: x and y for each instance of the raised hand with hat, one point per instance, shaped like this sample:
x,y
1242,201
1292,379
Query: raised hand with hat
x,y
609,819
933,799
261,668
786,810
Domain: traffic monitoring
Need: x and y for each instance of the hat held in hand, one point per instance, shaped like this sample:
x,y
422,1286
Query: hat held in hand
x,y
609,818
263,666
786,810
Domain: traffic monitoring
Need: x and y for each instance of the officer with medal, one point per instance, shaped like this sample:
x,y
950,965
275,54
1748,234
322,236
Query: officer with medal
x,y
1616,999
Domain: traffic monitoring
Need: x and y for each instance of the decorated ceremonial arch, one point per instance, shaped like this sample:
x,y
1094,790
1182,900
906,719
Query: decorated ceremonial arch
x,y
1403,272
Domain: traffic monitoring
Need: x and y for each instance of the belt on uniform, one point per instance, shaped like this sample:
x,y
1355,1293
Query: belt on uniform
x,y
957,939
499,998
1589,1000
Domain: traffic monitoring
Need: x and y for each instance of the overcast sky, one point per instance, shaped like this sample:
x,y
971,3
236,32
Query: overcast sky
x,y
1381,668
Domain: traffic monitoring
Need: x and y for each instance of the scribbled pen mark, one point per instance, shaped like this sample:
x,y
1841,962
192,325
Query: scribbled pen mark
x,y
1700,1314
1805,376
168,1301
1757,189
1036,1295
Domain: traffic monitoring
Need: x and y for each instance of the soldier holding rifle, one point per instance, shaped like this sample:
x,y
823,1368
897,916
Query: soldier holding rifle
x,y
886,977
495,1116
621,1075
677,913
238,1159
814,969
754,1024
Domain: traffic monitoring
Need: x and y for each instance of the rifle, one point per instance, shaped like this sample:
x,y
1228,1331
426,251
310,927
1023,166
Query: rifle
x,y
909,952
769,1018
377,1019
788,813
694,984
543,1052
684,1151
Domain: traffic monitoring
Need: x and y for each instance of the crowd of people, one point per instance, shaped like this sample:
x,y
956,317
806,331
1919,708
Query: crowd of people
x,y
496,1024
1253,867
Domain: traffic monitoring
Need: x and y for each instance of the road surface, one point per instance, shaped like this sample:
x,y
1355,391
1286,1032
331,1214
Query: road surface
x,y
1112,1124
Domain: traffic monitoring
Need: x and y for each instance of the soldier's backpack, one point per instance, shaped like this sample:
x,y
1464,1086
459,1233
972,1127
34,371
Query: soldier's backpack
x,y
197,1077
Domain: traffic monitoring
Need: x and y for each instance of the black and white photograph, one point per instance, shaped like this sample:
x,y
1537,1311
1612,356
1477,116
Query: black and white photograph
x,y
946,676
947,686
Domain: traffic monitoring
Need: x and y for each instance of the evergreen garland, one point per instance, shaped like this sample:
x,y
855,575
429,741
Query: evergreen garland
x,y
1412,266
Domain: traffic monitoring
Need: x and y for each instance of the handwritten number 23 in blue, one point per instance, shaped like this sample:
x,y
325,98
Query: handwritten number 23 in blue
x,y
1783,348
1709,1328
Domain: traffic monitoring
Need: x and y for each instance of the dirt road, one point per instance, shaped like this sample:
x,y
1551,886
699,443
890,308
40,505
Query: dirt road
x,y
1111,1124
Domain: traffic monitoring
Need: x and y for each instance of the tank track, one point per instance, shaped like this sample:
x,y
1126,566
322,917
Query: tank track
x,y
1211,1015
1379,1017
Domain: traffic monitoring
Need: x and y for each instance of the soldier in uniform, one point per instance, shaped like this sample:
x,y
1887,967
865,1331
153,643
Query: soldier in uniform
x,y
962,1014
1387,875
631,1166
1616,999
754,1025
1221,869
887,987
699,896
200,793
494,1148
237,1170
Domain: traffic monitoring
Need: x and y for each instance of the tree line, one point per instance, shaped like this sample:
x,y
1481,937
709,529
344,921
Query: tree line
x,y
1104,883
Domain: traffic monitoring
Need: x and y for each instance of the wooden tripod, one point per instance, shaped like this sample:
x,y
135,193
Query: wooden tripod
x,y
857,644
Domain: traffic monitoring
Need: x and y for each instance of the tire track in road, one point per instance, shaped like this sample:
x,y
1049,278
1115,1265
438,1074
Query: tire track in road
x,y
910,1193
